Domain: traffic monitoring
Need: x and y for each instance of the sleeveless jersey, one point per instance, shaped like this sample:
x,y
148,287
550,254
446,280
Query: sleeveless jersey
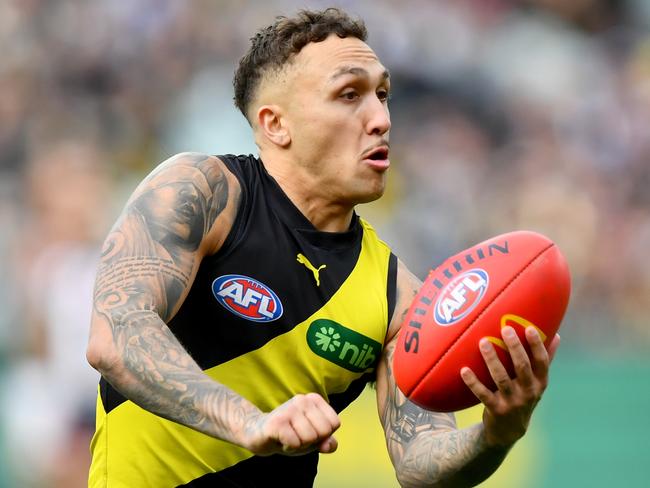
x,y
280,309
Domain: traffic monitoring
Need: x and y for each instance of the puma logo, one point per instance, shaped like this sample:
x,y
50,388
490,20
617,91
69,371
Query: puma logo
x,y
303,260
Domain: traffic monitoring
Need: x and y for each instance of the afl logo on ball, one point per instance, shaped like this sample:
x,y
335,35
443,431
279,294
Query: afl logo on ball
x,y
247,298
461,295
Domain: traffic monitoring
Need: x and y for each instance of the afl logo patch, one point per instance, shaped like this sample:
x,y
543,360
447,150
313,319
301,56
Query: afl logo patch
x,y
247,298
461,295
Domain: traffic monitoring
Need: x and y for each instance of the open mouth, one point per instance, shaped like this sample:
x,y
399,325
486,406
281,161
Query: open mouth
x,y
379,154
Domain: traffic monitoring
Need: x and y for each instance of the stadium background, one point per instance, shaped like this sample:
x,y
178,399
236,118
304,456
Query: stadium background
x,y
506,114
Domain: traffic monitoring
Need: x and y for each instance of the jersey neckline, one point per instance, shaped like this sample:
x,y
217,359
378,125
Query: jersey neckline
x,y
292,216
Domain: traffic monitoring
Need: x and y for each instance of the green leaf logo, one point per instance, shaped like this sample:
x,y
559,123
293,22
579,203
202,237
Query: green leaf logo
x,y
342,346
328,339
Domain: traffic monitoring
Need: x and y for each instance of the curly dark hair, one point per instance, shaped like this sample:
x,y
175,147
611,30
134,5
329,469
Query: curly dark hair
x,y
272,46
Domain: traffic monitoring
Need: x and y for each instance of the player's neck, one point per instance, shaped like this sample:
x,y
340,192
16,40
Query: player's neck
x,y
311,198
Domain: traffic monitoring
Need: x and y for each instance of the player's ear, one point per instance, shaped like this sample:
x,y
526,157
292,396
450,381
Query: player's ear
x,y
272,126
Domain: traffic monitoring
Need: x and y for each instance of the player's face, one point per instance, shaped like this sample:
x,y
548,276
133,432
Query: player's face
x,y
339,120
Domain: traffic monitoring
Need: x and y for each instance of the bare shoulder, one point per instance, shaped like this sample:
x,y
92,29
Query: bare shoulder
x,y
193,191
181,212
180,163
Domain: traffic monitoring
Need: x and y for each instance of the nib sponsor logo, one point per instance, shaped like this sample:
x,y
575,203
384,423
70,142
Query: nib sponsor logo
x,y
327,338
342,346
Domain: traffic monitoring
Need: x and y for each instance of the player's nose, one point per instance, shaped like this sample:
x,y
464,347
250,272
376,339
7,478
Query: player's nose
x,y
378,118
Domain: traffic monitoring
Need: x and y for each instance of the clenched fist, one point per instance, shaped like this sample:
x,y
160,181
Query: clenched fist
x,y
302,424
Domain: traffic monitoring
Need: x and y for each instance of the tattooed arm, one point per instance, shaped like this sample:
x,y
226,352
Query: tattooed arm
x,y
180,213
425,447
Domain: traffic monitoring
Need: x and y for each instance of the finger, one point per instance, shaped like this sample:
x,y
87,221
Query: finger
x,y
325,415
520,360
497,370
304,428
552,347
538,350
320,422
480,391
329,445
288,437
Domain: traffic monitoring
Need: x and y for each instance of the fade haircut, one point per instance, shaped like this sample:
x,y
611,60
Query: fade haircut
x,y
273,46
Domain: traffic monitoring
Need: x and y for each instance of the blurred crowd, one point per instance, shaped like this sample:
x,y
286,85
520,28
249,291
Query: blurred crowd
x,y
507,114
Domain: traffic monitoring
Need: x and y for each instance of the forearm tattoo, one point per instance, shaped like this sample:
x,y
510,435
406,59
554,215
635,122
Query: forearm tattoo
x,y
426,447
144,273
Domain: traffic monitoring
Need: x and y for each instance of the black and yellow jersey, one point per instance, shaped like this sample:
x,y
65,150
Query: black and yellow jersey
x,y
280,309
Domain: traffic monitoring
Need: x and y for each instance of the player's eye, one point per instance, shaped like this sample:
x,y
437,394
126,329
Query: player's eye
x,y
383,95
349,95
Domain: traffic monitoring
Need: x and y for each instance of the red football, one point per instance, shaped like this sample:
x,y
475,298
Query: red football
x,y
519,279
